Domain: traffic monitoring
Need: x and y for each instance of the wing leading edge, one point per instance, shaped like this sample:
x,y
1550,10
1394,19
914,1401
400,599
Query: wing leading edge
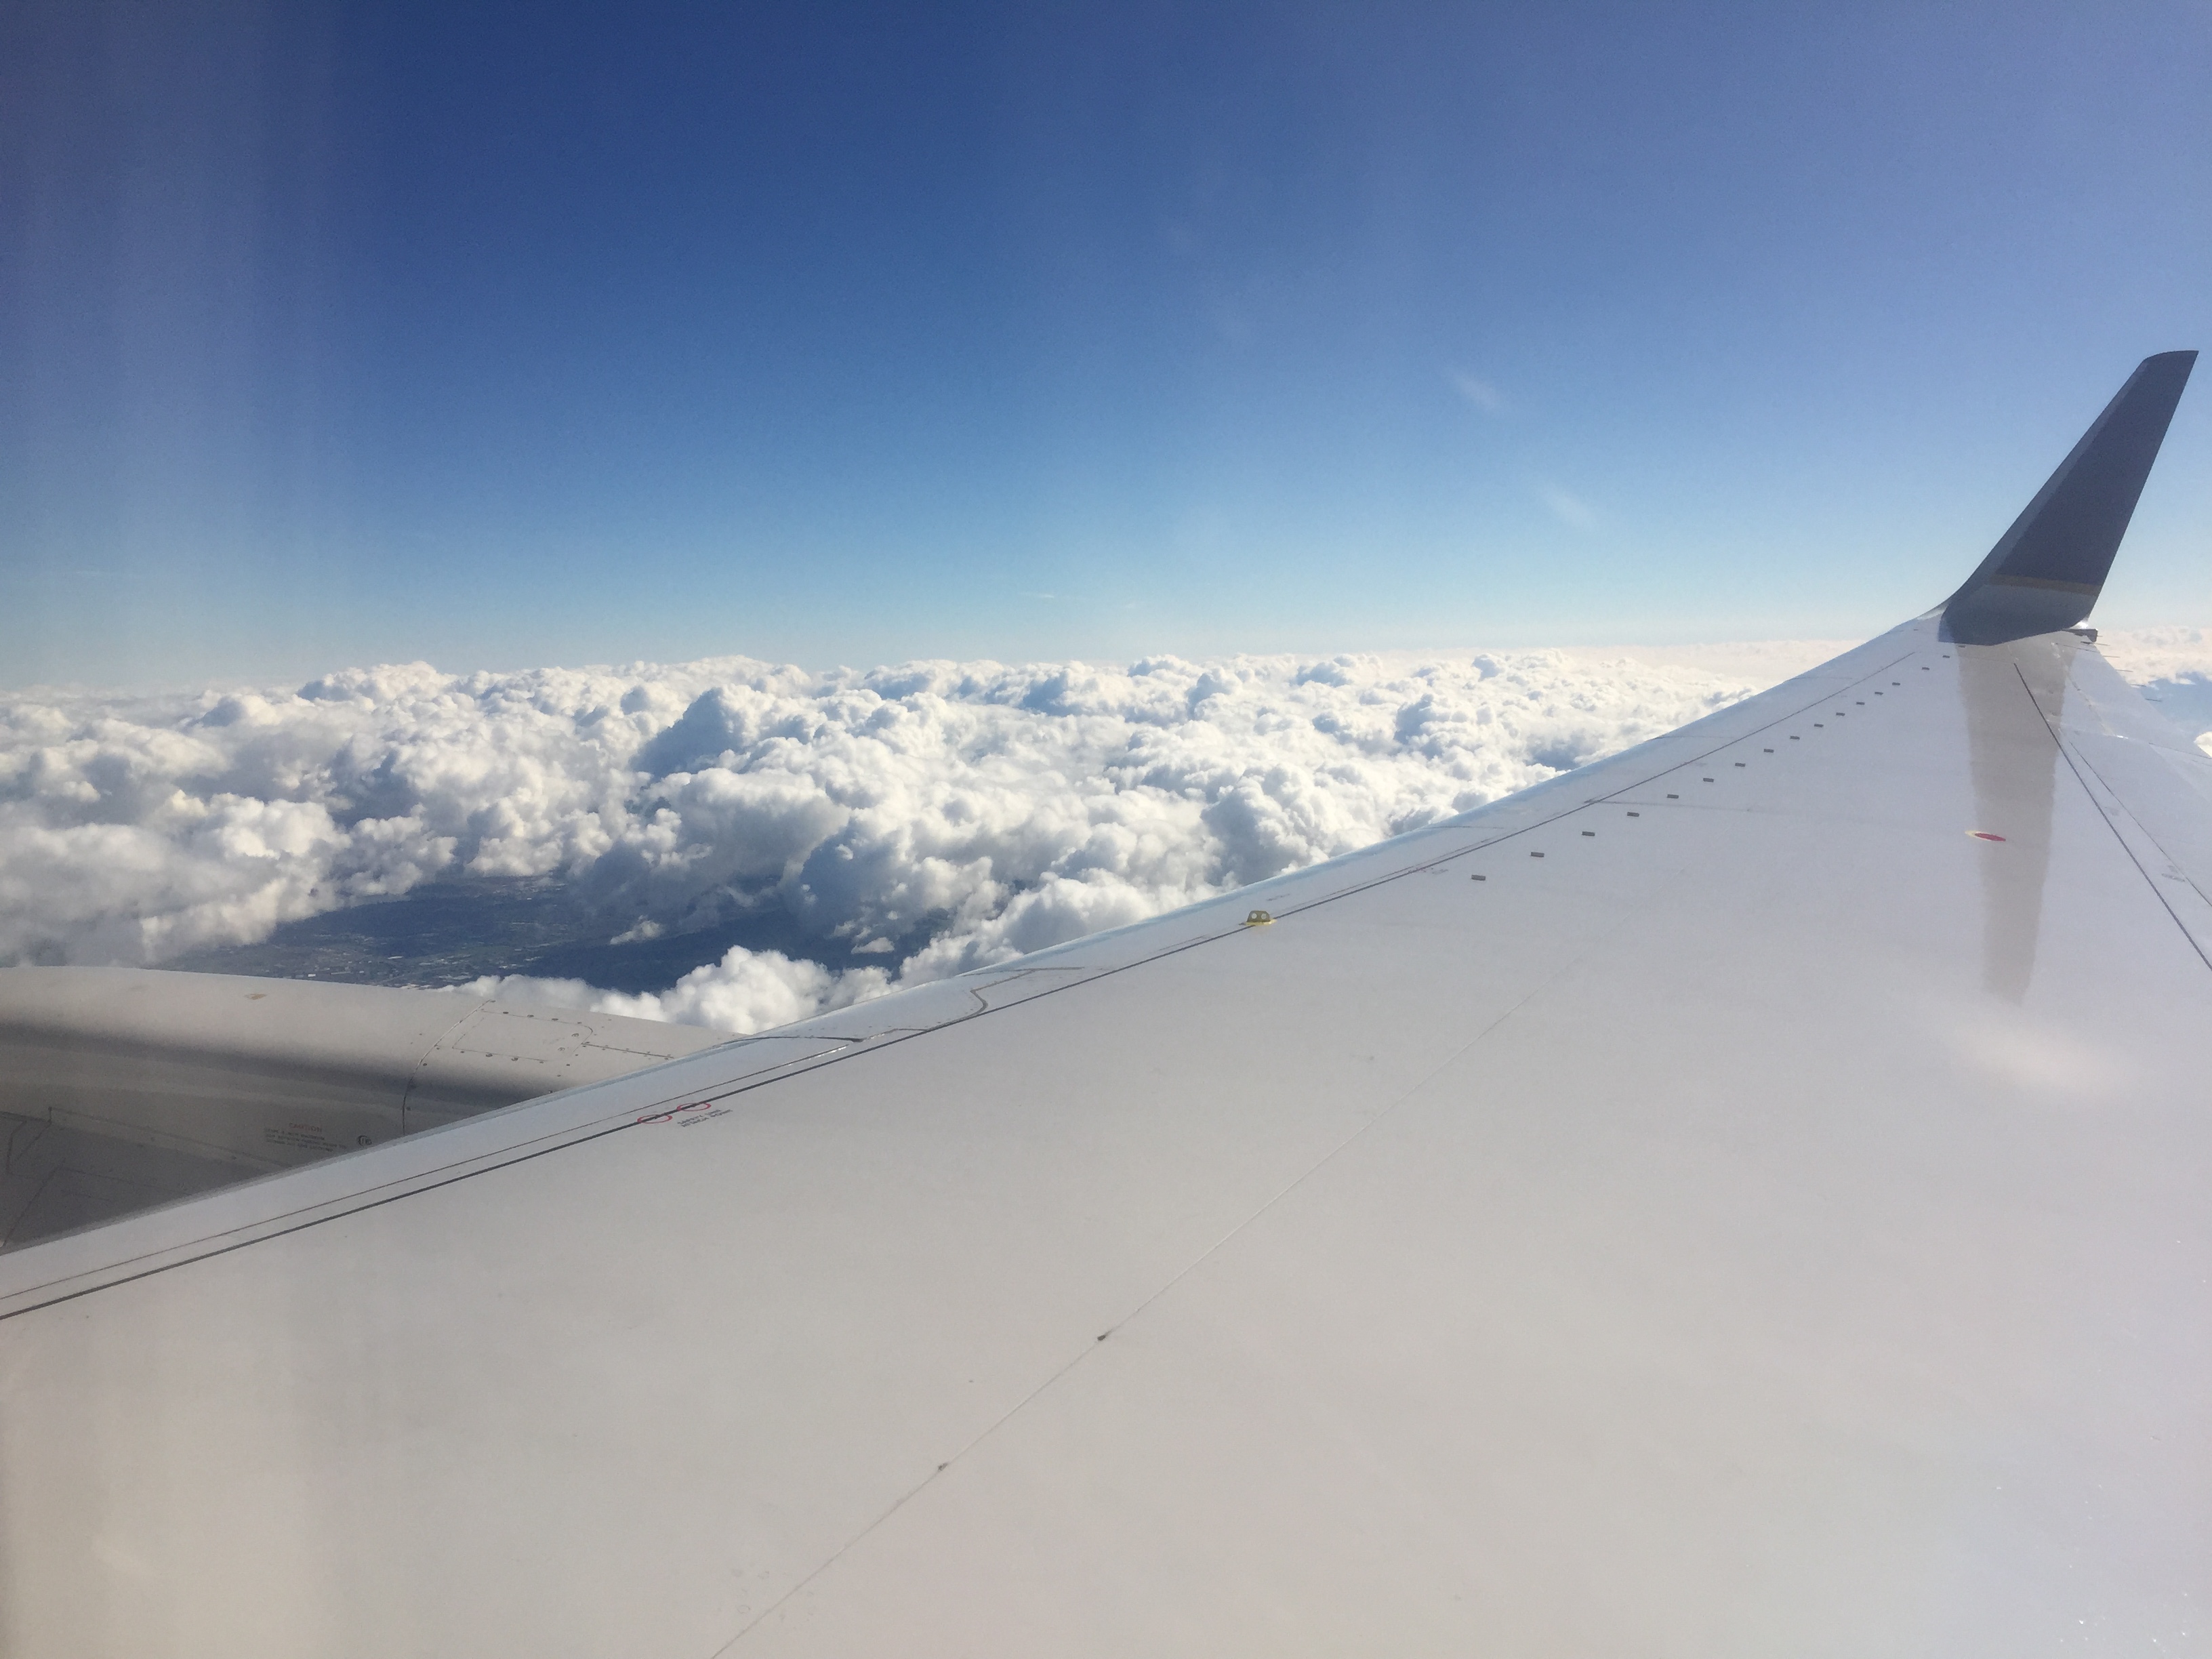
x,y
1744,1196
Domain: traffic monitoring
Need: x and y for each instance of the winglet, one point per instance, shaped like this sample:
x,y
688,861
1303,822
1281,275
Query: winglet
x,y
2046,571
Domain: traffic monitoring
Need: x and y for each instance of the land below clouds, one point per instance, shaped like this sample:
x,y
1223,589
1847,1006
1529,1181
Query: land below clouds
x,y
451,932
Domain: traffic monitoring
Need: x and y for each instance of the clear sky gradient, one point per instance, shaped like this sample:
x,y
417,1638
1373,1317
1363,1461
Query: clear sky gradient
x,y
512,335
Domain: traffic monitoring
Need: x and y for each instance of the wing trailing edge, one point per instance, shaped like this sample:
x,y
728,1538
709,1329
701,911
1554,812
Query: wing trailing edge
x,y
2046,573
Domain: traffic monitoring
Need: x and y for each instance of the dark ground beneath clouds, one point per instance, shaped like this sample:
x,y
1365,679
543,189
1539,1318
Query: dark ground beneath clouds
x,y
451,932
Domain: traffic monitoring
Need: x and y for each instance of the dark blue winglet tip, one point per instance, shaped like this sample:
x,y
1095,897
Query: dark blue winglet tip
x,y
2046,571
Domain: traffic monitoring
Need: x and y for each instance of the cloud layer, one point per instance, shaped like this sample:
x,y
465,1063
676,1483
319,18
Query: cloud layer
x,y
923,818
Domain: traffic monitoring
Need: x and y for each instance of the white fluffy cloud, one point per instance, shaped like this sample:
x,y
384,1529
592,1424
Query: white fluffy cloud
x,y
745,991
933,816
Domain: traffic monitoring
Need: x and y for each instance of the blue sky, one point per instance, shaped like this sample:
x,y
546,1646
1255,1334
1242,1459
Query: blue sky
x,y
502,335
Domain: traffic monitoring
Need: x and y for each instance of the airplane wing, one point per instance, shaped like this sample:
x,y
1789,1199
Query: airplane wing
x,y
122,1088
1745,1196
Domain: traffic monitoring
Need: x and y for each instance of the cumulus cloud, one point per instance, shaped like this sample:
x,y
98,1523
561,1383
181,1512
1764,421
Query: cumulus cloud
x,y
923,818
745,991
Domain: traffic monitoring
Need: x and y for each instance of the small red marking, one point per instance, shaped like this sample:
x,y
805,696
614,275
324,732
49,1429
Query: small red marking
x,y
1983,834
669,1116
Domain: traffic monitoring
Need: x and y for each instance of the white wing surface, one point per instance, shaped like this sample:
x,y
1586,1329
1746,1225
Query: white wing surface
x,y
1745,1196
